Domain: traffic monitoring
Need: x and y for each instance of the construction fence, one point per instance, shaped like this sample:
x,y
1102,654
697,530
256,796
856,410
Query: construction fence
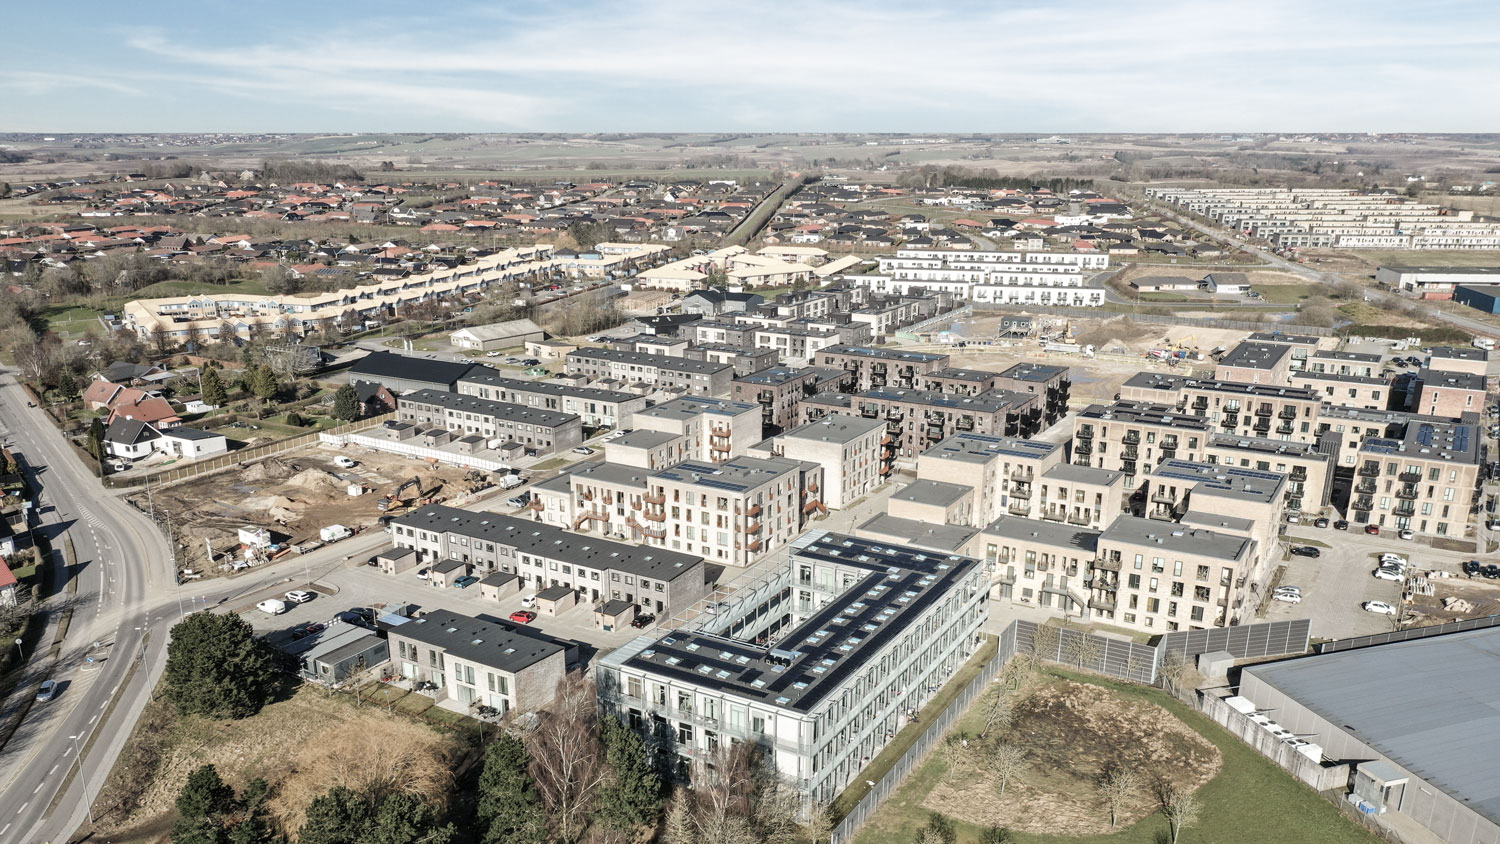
x,y
240,457
1156,319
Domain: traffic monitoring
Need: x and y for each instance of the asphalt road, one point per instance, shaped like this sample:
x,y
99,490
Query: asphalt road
x,y
121,562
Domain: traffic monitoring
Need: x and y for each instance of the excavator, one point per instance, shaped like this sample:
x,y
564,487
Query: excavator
x,y
394,501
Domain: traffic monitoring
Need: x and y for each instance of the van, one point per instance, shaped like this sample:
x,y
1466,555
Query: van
x,y
1484,343
344,462
272,606
511,482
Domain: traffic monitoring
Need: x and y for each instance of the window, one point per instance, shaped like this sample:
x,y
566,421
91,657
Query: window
x,y
1203,572
758,724
632,687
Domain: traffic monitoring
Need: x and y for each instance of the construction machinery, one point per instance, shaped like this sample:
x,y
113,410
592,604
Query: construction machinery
x,y
394,501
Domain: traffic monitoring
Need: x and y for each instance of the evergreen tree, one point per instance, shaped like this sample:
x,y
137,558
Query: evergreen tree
x,y
96,438
631,798
263,382
346,403
202,830
214,392
217,667
509,805
338,817
405,819
205,794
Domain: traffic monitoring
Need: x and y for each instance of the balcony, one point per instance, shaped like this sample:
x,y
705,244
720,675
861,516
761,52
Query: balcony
x,y
1230,420
1161,496
1023,491
1288,413
753,545
1264,410
1019,508
1364,502
1286,429
654,516
1263,425
1130,454
1369,470
1407,492
1098,603
1299,473
1083,447
753,511
1107,564
1052,515
656,498
1409,477
752,529
1200,403
1406,508
1084,433
1132,438
1366,487
1022,474
1081,519
718,431
1128,467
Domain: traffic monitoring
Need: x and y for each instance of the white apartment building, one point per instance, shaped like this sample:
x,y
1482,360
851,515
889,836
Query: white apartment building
x,y
847,447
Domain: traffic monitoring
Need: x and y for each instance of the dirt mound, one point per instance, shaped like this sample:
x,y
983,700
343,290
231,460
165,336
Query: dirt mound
x,y
1072,733
270,469
315,479
1123,329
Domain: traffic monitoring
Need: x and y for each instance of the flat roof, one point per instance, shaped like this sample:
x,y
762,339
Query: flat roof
x,y
775,375
485,375
1155,381
687,407
1362,357
1268,446
1075,474
1439,379
939,537
493,644
822,653
674,364
1255,355
1430,705
1446,270
1055,534
552,542
1034,372
882,354
1152,533
990,401
1452,442
488,407
1143,413
643,439
956,374
615,474
835,427
932,493
741,474
1223,480
1459,353
1366,380
970,447
1263,391
1288,339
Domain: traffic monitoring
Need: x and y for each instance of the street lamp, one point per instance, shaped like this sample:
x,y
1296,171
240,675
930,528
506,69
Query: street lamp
x,y
82,780
20,650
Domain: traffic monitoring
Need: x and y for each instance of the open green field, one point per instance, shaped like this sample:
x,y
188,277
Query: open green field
x,y
1249,801
1426,258
1285,294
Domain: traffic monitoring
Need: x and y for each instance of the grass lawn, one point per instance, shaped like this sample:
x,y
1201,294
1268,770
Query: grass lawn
x,y
74,319
1285,294
1436,258
1250,801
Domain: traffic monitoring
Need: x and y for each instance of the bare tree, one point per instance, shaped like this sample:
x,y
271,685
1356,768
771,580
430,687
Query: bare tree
x,y
1178,676
1001,711
1005,760
1116,786
1082,650
954,746
1136,666
567,758
1044,642
1180,807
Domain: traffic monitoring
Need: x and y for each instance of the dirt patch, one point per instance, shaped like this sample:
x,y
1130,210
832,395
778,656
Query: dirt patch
x,y
1456,599
1071,734
302,746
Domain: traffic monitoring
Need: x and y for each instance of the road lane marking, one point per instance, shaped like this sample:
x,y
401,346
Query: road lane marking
x,y
38,786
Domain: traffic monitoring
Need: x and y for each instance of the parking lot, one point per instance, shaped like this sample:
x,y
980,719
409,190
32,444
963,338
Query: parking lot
x,y
1335,583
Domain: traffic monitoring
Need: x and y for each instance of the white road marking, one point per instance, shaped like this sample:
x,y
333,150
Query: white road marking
x,y
23,807
4,828
53,771
38,786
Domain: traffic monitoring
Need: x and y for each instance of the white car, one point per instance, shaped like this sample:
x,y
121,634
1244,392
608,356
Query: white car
x,y
1296,590
528,601
1378,607
1388,574
344,462
584,450
272,606
424,574
1406,534
1287,597
492,354
1393,559
298,596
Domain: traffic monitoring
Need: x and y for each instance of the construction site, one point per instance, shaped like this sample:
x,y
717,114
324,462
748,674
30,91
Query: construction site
x,y
294,503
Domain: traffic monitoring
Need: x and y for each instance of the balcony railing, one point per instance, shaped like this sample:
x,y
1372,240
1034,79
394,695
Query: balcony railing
x,y
1084,433
1130,454
1263,410
1107,564
1407,492
655,498
1364,502
1132,438
1285,429
1406,508
1409,477
1080,519
1024,474
1230,420
1366,487
1020,491
1298,473
1052,515
1288,413
1369,470
1102,604
1019,508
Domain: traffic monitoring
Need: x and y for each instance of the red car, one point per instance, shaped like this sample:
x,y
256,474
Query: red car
x,y
523,616
1372,529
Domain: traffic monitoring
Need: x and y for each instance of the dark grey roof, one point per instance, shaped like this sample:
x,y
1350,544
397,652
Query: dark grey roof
x,y
1432,706
493,644
552,542
1255,355
130,431
378,366
835,427
883,354
185,433
1055,534
1135,530
491,377
487,407
981,448
671,364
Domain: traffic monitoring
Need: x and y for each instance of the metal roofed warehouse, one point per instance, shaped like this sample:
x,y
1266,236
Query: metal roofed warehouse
x,y
1428,707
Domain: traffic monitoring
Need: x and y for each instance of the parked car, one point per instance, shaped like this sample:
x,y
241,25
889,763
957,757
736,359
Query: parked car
x,y
1491,572
492,354
584,450
1287,597
315,627
1372,529
1393,558
613,435
1493,524
643,620
359,615
424,574
519,500
1341,524
466,581
1320,522
47,691
1378,607
272,606
1384,573
1294,518
344,462
528,601
1293,589
1305,551
523,616
299,596
1473,567
1407,534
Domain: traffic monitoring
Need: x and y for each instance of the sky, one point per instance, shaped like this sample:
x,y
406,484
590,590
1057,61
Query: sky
x,y
762,65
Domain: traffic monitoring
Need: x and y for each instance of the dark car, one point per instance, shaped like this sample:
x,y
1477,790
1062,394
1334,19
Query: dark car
x,y
466,581
1473,567
1341,525
1372,529
358,615
1321,522
1491,572
1304,551
643,620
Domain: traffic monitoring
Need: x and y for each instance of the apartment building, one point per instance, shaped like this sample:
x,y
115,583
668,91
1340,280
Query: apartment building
x,y
960,382
821,660
1256,363
480,662
1344,363
1002,471
542,556
777,390
1081,495
1449,394
934,502
1051,384
850,450
1038,563
698,377
1132,437
1226,499
1246,409
1424,478
542,431
1459,359
597,408
1154,388
732,513
1157,577
1308,470
918,420
699,428
1346,390
1303,346
1037,278
882,368
743,359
